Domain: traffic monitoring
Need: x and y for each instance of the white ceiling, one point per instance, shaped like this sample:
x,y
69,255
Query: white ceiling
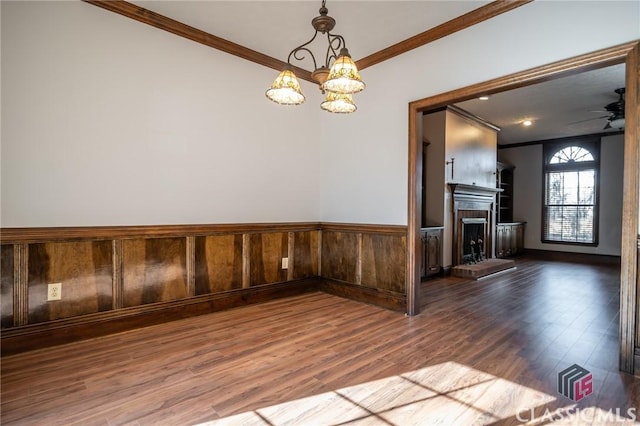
x,y
568,106
276,27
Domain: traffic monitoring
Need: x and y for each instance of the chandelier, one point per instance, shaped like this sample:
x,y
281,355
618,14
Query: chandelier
x,y
337,77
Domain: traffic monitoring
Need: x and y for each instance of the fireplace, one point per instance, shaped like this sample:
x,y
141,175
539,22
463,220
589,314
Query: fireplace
x,y
474,239
473,219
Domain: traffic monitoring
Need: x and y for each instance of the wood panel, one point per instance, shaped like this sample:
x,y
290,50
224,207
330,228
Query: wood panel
x,y
83,268
305,254
6,285
340,256
155,270
383,262
218,260
267,251
431,251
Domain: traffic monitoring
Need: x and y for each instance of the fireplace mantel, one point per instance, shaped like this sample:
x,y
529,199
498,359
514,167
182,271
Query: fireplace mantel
x,y
463,188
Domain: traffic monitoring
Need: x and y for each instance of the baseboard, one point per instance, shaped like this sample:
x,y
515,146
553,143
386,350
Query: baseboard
x,y
373,296
37,336
53,333
566,256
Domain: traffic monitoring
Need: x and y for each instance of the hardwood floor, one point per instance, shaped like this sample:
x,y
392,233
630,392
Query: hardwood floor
x,y
481,352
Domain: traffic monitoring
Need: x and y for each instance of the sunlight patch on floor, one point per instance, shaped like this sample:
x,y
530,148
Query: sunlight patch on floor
x,y
447,393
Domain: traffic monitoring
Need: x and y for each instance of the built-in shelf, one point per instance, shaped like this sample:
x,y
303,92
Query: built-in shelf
x,y
504,200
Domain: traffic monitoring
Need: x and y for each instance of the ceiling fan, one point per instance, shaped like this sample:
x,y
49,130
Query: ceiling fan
x,y
615,112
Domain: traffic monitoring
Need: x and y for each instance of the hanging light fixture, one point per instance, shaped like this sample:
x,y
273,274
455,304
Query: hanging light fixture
x,y
338,77
338,102
285,89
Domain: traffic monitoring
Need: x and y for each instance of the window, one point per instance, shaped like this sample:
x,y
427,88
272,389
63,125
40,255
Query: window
x,y
570,212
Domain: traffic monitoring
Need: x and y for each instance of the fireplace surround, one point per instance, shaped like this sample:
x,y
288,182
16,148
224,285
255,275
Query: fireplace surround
x,y
473,210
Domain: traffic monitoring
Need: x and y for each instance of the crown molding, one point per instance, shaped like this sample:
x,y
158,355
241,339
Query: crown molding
x,y
165,23
460,23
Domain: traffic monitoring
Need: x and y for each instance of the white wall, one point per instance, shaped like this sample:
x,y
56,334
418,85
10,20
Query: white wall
x,y
527,195
107,121
371,186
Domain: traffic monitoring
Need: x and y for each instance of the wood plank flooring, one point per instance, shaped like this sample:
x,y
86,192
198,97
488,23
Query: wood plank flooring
x,y
481,352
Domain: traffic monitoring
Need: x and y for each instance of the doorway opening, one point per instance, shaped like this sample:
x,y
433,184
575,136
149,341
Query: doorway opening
x,y
628,53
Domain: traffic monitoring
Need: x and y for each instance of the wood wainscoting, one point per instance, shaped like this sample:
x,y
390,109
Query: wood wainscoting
x,y
365,263
118,278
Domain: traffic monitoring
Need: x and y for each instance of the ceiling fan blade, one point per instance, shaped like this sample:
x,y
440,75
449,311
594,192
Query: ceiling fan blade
x,y
588,119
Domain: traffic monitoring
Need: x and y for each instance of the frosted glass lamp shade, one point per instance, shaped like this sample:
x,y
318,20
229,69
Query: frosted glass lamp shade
x,y
340,103
285,89
344,76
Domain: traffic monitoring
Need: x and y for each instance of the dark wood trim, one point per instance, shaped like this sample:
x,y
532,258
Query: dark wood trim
x,y
590,61
246,261
457,24
21,284
359,260
291,252
118,271
560,140
35,235
165,23
191,265
628,52
37,336
364,228
46,234
629,295
373,296
414,221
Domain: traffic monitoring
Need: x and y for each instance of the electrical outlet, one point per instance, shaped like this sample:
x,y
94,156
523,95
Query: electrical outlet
x,y
285,263
54,291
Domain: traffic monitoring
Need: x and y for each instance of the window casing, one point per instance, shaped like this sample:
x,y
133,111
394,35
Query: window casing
x,y
571,189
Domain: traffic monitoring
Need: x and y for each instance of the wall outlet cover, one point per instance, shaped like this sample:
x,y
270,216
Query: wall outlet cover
x,y
54,291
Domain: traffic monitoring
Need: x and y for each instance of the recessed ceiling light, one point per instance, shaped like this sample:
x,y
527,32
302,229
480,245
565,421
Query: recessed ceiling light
x,y
484,98
527,123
